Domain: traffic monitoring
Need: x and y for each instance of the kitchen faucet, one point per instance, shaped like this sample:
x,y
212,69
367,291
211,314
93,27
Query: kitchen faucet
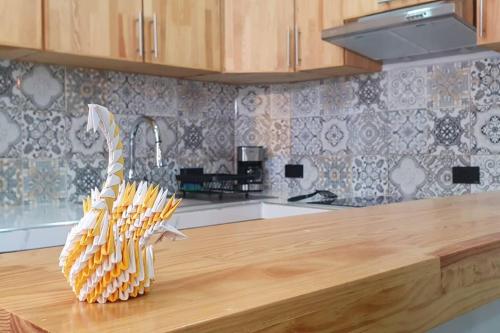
x,y
156,130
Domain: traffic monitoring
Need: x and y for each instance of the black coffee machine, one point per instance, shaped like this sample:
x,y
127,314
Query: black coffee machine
x,y
250,162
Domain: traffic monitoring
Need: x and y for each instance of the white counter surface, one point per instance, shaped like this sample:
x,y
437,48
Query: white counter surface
x,y
29,227
50,215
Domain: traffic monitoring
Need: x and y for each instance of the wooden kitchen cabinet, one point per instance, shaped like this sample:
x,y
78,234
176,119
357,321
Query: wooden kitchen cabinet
x,y
20,27
280,41
258,36
358,8
314,54
311,17
183,33
109,29
488,24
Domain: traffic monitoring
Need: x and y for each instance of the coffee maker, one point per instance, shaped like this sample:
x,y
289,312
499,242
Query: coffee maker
x,y
250,160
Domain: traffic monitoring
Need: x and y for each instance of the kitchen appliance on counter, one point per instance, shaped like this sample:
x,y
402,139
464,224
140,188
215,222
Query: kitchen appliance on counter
x,y
250,160
356,201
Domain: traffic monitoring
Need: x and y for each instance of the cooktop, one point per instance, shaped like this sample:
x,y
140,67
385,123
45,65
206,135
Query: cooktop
x,y
356,201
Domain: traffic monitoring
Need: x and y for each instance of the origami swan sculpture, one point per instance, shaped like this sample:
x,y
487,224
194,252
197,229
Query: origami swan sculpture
x,y
108,255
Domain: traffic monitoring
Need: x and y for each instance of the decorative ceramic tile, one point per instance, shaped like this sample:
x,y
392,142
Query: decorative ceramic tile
x,y
44,134
274,175
407,88
407,176
369,176
41,85
368,133
306,136
451,131
85,173
221,99
192,135
253,101
489,177
410,131
219,138
371,92
11,129
485,82
44,180
81,141
83,87
439,181
10,182
164,176
8,83
334,135
337,95
220,166
281,101
279,143
486,131
188,159
336,171
305,99
252,131
160,96
448,85
191,98
124,93
313,176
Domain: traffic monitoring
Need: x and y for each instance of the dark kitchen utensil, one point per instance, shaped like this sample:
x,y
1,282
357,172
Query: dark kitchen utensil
x,y
324,193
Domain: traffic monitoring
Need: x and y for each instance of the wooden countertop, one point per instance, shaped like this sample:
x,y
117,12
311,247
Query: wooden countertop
x,y
398,268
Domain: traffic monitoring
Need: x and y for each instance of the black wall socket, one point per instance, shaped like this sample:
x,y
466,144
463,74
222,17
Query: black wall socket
x,y
465,175
294,171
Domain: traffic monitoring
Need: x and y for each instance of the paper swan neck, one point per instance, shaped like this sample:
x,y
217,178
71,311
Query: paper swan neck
x,y
100,118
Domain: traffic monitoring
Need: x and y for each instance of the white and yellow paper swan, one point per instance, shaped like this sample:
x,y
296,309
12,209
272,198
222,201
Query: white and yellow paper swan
x,y
108,255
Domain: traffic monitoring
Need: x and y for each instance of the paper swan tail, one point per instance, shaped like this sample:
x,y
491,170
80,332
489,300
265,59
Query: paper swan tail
x,y
107,255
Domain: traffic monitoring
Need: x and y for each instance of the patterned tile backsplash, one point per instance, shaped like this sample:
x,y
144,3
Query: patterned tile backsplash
x,y
398,132
47,156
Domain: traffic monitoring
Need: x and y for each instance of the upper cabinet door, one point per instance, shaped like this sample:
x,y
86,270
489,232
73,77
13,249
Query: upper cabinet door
x,y
21,23
358,8
311,17
98,28
183,33
488,23
258,36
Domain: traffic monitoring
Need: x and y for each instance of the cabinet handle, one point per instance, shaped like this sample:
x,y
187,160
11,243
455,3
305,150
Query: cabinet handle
x,y
481,18
298,60
381,2
288,31
140,48
155,36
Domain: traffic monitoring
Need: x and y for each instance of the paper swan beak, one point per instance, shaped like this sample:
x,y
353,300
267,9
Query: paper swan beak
x,y
94,118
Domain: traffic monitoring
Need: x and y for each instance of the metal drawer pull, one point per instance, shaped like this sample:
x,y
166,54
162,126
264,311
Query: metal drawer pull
x,y
155,36
140,33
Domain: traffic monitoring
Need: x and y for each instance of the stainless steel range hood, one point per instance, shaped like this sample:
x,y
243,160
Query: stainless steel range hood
x,y
417,32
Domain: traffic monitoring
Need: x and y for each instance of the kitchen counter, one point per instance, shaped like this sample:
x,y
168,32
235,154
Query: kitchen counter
x,y
26,217
46,225
402,267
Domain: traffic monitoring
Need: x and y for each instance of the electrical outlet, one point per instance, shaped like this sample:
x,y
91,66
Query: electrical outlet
x,y
465,175
294,171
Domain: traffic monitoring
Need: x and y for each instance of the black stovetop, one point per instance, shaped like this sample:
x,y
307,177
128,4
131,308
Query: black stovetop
x,y
356,201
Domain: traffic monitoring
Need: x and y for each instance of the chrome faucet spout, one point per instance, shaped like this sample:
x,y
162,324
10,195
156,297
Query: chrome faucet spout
x,y
135,128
